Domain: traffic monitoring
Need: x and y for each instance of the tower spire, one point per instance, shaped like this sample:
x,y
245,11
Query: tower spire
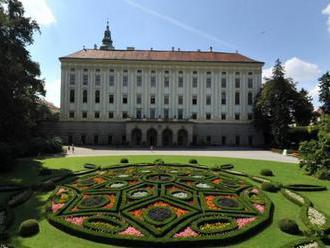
x,y
107,41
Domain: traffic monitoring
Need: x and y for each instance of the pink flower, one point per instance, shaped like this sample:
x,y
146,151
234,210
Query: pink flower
x,y
131,231
75,220
56,207
259,207
241,222
188,232
254,190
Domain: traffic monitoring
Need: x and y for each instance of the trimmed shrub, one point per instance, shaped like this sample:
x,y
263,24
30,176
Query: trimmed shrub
x,y
289,226
28,228
45,172
269,187
124,161
48,186
159,161
227,166
266,172
193,161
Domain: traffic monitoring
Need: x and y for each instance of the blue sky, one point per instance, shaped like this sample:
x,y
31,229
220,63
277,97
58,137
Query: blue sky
x,y
296,31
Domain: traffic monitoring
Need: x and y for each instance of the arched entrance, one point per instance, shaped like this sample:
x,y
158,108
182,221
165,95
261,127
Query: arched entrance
x,y
167,137
151,137
182,137
136,137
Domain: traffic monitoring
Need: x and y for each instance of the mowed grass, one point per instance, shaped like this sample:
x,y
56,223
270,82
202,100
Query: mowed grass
x,y
27,172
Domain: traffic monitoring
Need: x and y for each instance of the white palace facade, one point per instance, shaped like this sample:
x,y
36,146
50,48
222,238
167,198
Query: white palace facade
x,y
157,98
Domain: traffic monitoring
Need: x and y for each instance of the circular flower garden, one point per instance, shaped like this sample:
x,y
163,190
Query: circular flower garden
x,y
149,204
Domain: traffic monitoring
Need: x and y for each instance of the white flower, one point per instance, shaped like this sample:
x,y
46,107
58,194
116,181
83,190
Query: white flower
x,y
203,186
295,196
181,195
117,185
316,218
309,245
139,194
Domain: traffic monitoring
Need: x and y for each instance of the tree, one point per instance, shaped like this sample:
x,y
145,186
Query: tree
x,y
324,84
20,87
278,105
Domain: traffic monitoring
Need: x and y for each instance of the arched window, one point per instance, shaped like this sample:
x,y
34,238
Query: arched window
x,y
85,96
71,95
97,96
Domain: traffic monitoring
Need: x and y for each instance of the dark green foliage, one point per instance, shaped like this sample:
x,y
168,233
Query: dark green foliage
x,y
28,228
7,156
47,186
159,161
193,161
278,105
296,135
90,166
266,172
226,166
124,160
19,198
93,201
315,154
39,146
303,242
305,187
324,84
45,172
269,187
289,226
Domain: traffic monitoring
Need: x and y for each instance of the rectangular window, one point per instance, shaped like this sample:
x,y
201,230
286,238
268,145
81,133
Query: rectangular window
x,y
180,83
111,80
237,140
194,82
166,82
110,115
194,116
237,83
138,114
180,100
194,100
84,114
124,115
208,116
208,100
72,96
250,98
153,81
71,114
97,115
96,139
237,98
97,79
111,99
138,99
85,79
223,98
109,139
123,139
139,81
152,113
250,116
72,79
250,140
223,140
208,140
166,100
125,99
223,116
152,99
208,83
83,139
237,116
180,114
250,83
97,96
125,81
223,83
166,113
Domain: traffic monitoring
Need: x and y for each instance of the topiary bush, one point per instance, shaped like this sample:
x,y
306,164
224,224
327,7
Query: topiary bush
x,y
28,228
269,187
289,226
266,172
47,186
193,161
124,161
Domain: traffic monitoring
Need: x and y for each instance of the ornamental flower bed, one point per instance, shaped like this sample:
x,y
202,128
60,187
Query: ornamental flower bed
x,y
151,205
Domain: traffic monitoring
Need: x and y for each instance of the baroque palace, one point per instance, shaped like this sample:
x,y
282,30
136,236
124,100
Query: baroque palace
x,y
157,98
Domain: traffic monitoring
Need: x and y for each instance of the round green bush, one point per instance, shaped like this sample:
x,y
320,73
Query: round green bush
x,y
28,228
193,161
124,161
266,172
269,187
289,226
48,186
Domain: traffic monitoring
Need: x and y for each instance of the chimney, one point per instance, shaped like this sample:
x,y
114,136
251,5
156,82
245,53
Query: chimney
x,y
95,46
179,49
198,50
211,49
151,49
173,48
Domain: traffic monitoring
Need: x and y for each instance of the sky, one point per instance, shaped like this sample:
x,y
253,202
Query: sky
x,y
297,32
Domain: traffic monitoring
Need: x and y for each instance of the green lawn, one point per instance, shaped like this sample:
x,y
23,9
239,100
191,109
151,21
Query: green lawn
x,y
27,172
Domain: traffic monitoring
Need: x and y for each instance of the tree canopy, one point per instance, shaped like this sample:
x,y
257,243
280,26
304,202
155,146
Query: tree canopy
x,y
324,84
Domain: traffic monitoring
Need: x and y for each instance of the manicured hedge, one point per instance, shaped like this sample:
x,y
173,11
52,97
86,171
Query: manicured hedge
x,y
295,197
305,187
289,226
304,241
28,228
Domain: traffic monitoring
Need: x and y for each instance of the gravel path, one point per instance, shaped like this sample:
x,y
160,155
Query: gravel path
x,y
207,151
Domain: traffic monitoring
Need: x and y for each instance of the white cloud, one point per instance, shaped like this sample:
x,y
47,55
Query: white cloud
x,y
180,24
39,11
326,11
53,92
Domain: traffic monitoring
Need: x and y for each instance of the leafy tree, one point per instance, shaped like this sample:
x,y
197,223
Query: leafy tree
x,y
278,105
324,84
20,87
